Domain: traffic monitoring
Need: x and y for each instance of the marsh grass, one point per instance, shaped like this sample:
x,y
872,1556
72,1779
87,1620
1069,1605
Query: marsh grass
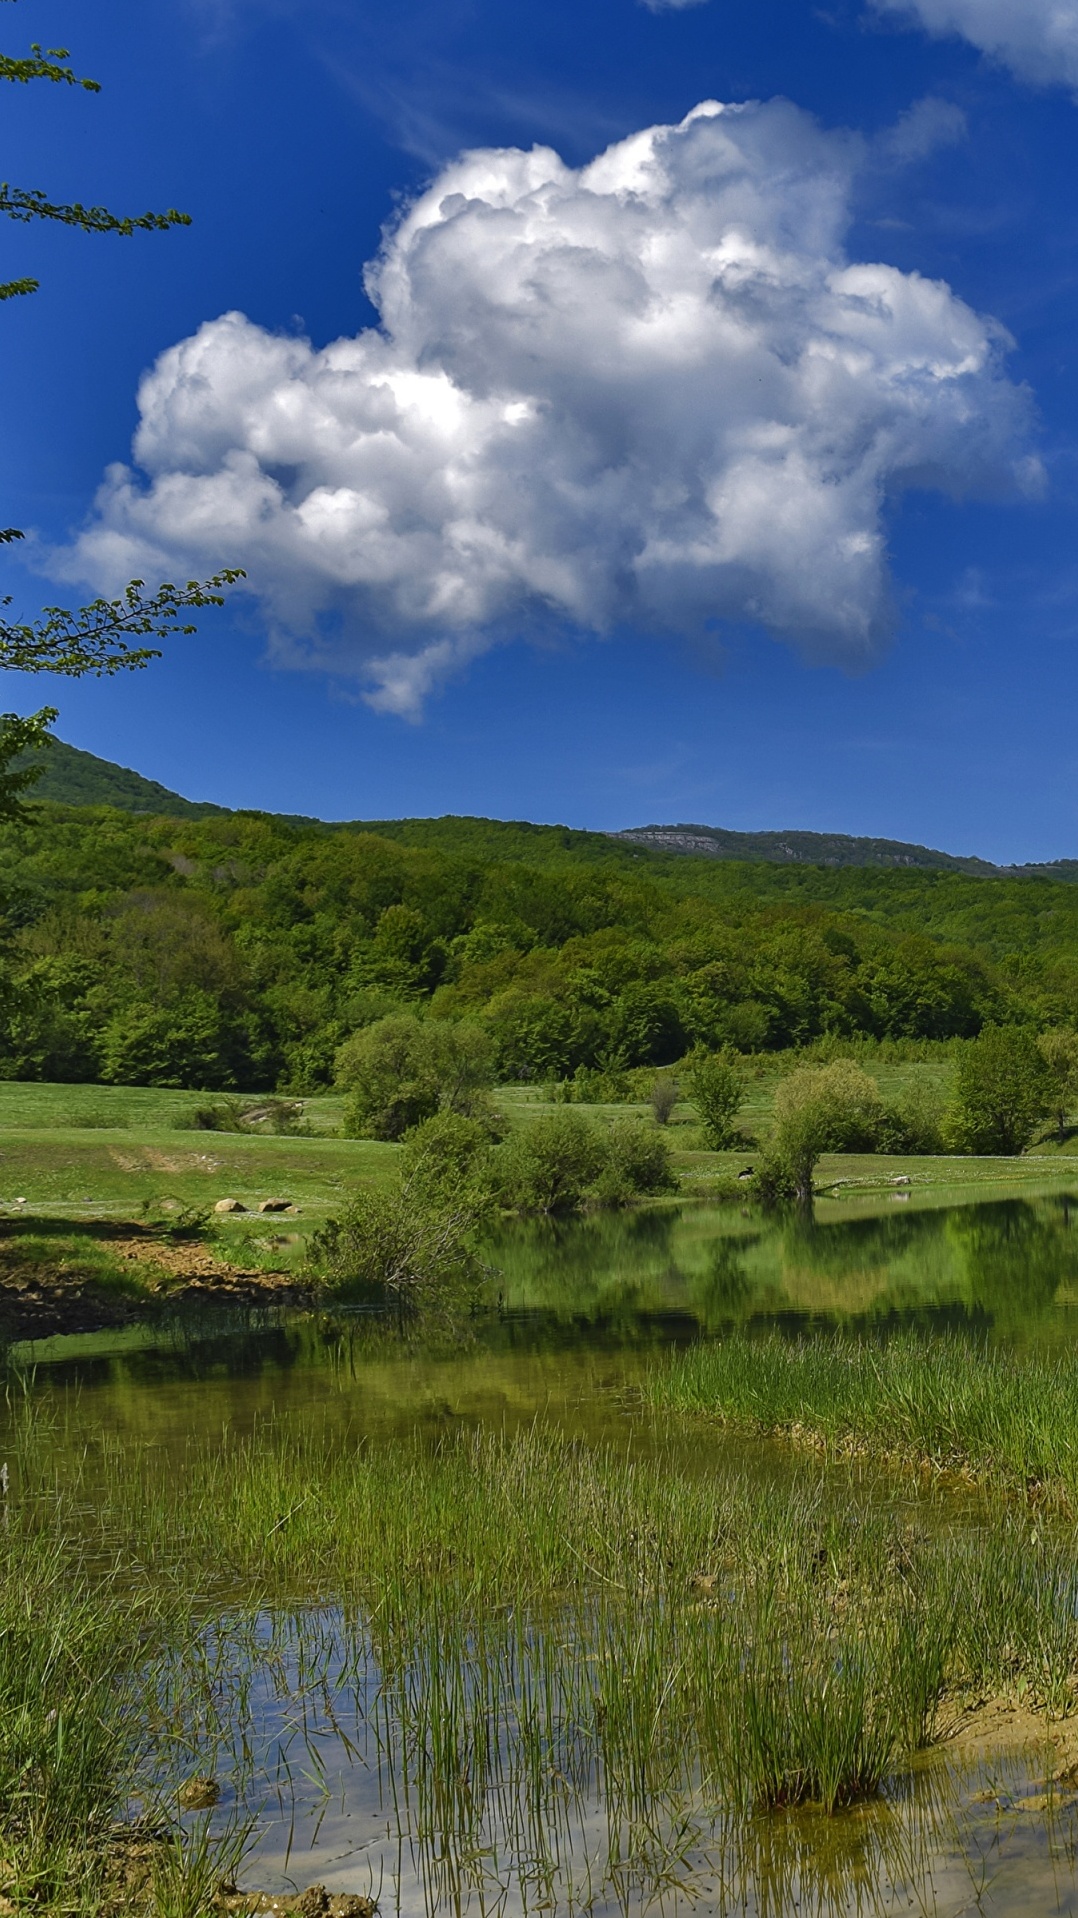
x,y
1009,1419
794,1640
68,1723
520,1635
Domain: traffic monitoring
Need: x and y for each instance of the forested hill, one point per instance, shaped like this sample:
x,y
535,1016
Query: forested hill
x,y
72,777
242,949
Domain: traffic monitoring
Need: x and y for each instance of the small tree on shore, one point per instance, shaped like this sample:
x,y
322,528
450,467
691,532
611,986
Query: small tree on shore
x,y
818,1109
1002,1089
1059,1050
716,1085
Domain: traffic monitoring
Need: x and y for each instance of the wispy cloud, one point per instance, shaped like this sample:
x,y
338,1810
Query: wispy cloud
x,y
1037,39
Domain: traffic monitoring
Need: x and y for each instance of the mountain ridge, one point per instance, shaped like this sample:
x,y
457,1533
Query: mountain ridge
x,y
73,777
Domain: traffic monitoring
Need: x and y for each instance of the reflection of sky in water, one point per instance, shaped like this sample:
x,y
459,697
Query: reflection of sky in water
x,y
323,1766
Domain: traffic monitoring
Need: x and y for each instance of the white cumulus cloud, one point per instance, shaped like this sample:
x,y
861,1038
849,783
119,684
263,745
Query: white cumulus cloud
x,y
1037,39
652,390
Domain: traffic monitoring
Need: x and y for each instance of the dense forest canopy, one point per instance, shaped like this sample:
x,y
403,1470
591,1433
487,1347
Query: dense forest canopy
x,y
242,949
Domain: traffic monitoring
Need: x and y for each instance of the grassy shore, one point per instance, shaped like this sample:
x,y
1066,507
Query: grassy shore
x,y
1007,1420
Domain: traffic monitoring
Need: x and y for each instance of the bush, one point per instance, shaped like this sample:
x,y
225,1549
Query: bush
x,y
562,1159
398,1248
449,1158
637,1161
664,1097
716,1086
550,1165
1002,1089
402,1070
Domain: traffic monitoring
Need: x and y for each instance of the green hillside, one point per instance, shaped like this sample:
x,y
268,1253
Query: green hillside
x,y
239,949
71,777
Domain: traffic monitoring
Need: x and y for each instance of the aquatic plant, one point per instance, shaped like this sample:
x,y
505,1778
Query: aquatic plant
x,y
1007,1418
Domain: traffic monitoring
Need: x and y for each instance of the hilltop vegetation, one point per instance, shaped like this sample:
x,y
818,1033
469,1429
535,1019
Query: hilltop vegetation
x,y
72,777
242,949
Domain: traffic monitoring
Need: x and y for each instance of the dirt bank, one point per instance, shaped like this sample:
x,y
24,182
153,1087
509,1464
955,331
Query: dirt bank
x,y
149,1276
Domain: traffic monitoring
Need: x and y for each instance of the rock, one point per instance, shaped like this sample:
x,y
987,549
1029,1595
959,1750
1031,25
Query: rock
x,y
314,1902
198,1794
317,1902
230,1205
275,1205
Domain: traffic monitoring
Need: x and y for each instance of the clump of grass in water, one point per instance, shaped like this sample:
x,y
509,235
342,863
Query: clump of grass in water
x,y
1008,1419
70,1655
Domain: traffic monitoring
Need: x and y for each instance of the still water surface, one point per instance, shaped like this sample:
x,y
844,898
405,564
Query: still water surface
x,y
317,1759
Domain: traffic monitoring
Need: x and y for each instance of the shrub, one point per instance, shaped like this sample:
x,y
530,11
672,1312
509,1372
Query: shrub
x,y
550,1165
1002,1088
562,1159
402,1070
449,1158
399,1248
716,1084
637,1161
664,1097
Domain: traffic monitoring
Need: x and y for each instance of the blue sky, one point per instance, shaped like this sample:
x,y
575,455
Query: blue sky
x,y
800,552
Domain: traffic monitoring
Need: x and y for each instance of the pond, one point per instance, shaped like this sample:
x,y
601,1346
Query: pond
x,y
468,1761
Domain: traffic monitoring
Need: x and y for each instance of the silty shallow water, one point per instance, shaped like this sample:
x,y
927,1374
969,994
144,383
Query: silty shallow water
x,y
313,1747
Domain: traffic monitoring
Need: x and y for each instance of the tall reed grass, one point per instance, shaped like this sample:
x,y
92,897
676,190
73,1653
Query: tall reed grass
x,y
1009,1419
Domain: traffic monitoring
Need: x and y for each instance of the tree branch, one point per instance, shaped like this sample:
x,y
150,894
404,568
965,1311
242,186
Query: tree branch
x,y
26,203
95,638
42,65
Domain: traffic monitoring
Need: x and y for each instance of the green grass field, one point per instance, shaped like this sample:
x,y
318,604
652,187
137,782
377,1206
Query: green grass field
x,y
111,1152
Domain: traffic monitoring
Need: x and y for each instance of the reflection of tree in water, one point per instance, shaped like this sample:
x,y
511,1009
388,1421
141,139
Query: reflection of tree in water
x,y
968,1266
586,1266
723,1296
1016,1255
838,1249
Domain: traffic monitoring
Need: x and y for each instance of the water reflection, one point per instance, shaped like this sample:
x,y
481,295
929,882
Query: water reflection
x,y
441,1779
1006,1266
584,1309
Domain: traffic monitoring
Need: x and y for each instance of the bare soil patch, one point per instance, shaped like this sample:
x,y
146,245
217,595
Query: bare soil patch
x,y
150,1275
